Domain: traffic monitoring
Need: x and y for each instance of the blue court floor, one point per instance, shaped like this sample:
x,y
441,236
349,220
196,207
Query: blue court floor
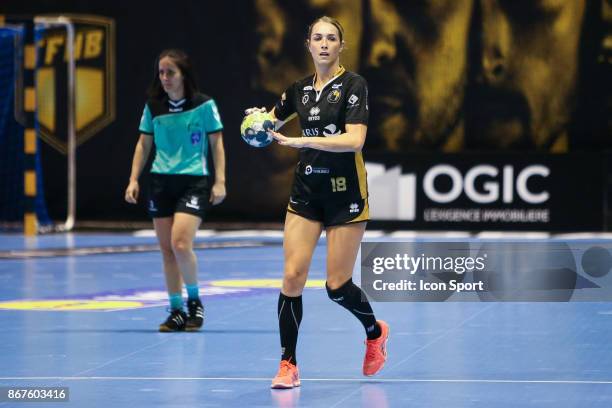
x,y
81,311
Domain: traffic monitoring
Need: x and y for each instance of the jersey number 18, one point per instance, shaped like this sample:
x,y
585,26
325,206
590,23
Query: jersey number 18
x,y
338,184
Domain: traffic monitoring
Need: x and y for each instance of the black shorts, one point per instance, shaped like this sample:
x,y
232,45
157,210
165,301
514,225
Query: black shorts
x,y
171,193
330,212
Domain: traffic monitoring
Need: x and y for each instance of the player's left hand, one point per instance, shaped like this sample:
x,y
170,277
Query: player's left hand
x,y
217,193
296,142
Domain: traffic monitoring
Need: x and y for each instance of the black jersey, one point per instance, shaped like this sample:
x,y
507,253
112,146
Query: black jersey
x,y
343,100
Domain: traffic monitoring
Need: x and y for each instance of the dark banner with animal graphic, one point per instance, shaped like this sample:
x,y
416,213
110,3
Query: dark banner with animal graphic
x,y
465,77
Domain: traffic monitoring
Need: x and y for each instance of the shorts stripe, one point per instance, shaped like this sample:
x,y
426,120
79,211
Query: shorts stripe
x,y
361,175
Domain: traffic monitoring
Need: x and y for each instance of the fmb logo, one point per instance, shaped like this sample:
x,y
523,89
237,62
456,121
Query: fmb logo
x,y
496,186
94,81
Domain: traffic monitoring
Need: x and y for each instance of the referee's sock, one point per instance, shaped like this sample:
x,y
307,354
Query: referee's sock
x,y
351,297
289,319
193,292
176,301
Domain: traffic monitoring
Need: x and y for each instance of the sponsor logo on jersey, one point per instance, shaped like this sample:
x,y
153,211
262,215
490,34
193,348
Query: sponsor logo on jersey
x,y
193,203
354,208
331,130
314,114
308,88
310,132
336,86
353,99
305,99
334,96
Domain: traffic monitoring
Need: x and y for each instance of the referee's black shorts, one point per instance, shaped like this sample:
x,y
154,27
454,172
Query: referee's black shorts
x,y
171,193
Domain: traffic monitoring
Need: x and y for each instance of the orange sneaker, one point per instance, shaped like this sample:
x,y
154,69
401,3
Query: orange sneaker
x,y
287,376
376,351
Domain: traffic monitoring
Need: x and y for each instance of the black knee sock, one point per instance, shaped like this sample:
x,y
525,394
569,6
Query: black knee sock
x,y
289,319
353,299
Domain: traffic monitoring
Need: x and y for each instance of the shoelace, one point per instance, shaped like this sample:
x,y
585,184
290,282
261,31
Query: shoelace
x,y
192,305
371,350
284,369
371,353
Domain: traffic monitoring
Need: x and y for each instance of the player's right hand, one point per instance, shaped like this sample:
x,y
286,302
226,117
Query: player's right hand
x,y
254,109
131,192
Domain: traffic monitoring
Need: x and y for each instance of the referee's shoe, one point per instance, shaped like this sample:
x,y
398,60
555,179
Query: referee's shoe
x,y
195,317
175,322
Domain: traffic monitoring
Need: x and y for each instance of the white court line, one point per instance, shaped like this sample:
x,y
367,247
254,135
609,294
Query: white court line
x,y
584,236
519,235
207,233
359,380
429,234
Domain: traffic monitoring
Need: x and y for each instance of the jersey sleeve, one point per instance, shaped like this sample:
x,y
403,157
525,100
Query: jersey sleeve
x,y
146,121
212,119
285,107
357,110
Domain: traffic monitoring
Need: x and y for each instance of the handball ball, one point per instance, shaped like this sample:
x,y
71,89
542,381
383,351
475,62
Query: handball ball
x,y
254,129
